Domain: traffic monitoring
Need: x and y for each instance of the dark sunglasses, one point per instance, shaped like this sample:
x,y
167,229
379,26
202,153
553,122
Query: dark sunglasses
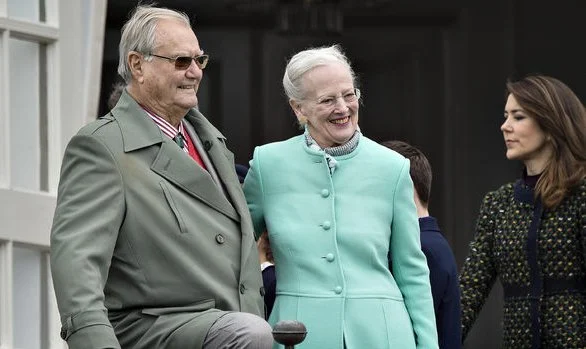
x,y
183,62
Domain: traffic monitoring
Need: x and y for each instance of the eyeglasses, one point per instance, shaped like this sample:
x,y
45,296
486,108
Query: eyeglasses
x,y
331,101
183,62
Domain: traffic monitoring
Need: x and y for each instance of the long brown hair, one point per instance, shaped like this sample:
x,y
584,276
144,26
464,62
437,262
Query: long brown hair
x,y
562,117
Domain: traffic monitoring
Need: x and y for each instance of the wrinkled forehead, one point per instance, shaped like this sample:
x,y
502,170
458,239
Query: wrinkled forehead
x,y
175,34
327,78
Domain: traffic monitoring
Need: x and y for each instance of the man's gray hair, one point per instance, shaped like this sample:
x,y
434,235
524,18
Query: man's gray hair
x,y
304,61
138,34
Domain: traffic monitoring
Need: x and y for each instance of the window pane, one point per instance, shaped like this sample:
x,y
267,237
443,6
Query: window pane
x,y
26,293
26,86
30,10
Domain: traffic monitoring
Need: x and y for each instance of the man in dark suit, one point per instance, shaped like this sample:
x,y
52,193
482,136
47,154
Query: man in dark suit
x,y
443,272
152,243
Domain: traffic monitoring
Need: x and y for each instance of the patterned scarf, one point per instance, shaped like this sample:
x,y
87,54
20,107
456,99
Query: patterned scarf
x,y
330,152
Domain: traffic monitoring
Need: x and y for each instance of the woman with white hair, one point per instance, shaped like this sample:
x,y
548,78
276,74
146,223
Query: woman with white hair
x,y
337,206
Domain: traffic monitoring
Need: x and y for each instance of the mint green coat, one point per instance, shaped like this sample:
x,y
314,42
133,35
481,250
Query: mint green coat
x,y
331,236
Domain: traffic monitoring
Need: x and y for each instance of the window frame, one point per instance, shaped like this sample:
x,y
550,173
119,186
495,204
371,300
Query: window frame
x,y
72,90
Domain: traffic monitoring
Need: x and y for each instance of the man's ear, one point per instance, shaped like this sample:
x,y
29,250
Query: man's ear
x,y
135,61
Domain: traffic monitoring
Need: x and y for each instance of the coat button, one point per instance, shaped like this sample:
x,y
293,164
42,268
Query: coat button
x,y
262,291
330,257
220,239
63,333
338,289
242,288
325,193
326,225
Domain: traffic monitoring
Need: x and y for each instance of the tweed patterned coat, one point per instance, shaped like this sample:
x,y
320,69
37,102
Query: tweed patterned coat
x,y
539,256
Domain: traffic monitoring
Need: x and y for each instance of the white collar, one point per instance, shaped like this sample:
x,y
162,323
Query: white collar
x,y
265,265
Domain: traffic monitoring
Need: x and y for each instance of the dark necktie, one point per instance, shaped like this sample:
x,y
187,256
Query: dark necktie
x,y
180,140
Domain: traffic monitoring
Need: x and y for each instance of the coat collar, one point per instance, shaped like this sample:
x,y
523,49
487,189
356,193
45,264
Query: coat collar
x,y
523,193
139,131
428,223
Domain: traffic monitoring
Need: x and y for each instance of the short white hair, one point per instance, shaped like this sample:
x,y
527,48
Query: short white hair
x,y
306,60
139,33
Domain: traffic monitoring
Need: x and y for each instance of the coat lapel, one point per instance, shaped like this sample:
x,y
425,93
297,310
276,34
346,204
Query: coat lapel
x,y
174,165
171,163
223,160
221,157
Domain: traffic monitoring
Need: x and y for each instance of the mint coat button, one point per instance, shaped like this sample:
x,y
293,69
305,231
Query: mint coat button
x,y
338,289
330,257
326,225
325,193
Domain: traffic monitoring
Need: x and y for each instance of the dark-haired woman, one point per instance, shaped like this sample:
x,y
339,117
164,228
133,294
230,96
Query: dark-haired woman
x,y
531,233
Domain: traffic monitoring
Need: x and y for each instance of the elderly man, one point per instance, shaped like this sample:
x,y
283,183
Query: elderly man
x,y
152,243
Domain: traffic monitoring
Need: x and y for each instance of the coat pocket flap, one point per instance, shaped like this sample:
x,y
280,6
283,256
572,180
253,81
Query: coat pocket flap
x,y
197,307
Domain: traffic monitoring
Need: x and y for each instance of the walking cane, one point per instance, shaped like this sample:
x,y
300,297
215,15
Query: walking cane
x,y
289,333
